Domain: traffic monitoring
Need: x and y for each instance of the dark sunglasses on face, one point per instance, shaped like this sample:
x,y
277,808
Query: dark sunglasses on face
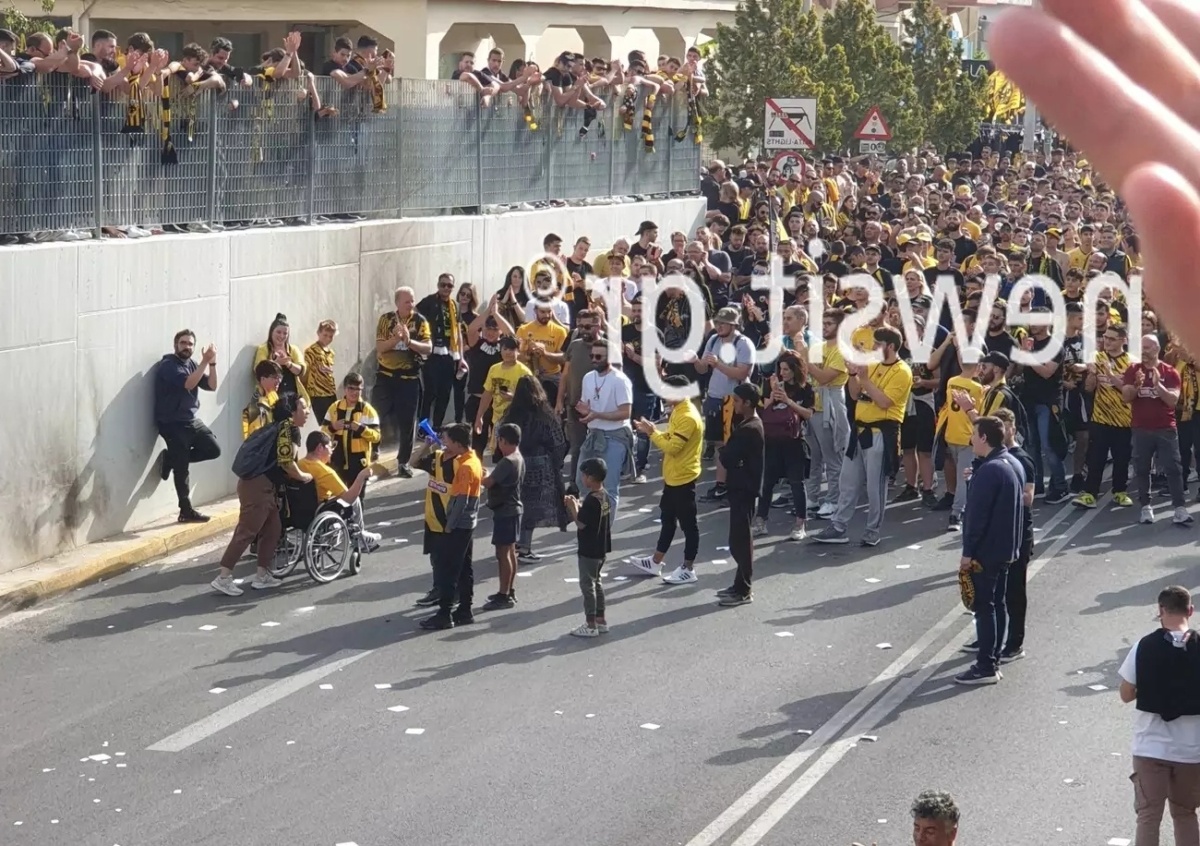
x,y
599,358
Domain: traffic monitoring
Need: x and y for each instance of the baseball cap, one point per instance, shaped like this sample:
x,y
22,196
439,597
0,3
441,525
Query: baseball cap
x,y
996,359
646,226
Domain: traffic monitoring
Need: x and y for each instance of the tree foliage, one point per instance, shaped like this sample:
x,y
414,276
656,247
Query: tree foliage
x,y
18,22
774,49
848,62
950,102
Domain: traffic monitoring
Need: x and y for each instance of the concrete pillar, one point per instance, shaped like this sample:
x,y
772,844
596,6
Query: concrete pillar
x,y
621,43
596,43
406,23
670,43
517,43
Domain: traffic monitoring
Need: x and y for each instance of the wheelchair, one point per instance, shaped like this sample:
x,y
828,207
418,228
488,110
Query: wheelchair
x,y
322,535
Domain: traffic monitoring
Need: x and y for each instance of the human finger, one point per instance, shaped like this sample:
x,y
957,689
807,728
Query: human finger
x,y
1167,211
1088,98
1139,44
1181,18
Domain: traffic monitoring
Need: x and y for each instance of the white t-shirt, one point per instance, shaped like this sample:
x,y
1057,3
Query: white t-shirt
x,y
1177,741
562,312
605,393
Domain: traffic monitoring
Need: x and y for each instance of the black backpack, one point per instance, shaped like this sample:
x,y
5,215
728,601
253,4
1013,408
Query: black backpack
x,y
258,454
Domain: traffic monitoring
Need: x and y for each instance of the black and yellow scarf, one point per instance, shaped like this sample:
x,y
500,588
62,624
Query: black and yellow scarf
x,y
648,122
628,102
265,113
135,114
378,100
1189,392
169,156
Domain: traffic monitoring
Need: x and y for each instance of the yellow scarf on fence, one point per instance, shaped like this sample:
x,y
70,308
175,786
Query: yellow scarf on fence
x,y
169,156
134,112
378,100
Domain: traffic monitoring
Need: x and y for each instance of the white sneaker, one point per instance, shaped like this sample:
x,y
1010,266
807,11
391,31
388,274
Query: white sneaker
x,y
225,585
639,479
681,576
602,628
371,540
644,566
1182,518
826,510
585,630
266,582
760,528
137,232
1147,514
798,534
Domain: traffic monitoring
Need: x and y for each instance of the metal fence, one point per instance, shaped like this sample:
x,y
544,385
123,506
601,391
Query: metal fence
x,y
70,161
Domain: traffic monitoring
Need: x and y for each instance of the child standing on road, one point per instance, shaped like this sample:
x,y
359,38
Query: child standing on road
x,y
593,517
503,486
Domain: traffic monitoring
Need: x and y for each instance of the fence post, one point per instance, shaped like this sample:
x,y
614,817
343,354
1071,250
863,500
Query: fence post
x,y
400,182
479,153
97,169
211,202
613,142
552,113
312,167
670,144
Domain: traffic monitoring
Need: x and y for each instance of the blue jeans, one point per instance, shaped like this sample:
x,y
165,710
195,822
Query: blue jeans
x,y
644,405
1041,451
991,614
614,460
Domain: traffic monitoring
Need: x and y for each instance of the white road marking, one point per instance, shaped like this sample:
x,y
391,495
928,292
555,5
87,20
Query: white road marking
x,y
873,716
251,704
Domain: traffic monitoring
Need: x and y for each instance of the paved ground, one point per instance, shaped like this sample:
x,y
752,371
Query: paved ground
x,y
531,737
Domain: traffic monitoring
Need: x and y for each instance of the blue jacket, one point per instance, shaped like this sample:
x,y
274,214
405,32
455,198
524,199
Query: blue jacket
x,y
992,524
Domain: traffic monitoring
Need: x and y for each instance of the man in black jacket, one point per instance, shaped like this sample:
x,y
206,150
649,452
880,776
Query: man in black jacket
x,y
1162,674
992,531
445,363
742,458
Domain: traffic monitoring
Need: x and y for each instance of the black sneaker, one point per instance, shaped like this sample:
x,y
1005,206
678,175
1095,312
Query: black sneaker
x,y
1077,484
781,500
955,524
191,515
945,503
498,602
430,599
462,618
929,499
975,676
715,494
164,469
723,592
814,512
528,556
1010,655
909,494
436,623
732,600
830,535
405,471
973,646
709,452
512,594
1057,498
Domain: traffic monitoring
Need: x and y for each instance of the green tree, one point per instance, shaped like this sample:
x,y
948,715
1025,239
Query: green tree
x,y
18,22
951,102
877,72
773,49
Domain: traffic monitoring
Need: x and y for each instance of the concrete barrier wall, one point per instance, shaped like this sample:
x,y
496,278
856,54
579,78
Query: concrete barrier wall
x,y
82,326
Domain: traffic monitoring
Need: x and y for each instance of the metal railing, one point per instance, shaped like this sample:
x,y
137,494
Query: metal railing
x,y
68,160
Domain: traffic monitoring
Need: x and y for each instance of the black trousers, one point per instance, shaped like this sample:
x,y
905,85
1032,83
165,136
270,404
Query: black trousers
x,y
398,399
1102,441
348,475
320,405
453,571
460,402
1017,598
1189,446
678,507
784,460
187,444
478,442
741,542
439,372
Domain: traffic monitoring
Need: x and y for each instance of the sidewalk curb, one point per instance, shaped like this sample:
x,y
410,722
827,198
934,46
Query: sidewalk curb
x,y
59,580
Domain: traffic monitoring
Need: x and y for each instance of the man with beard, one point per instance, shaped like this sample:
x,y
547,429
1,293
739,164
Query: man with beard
x,y
606,399
483,351
178,381
828,430
997,393
542,341
444,363
729,356
1152,387
576,365
1041,391
742,455
645,401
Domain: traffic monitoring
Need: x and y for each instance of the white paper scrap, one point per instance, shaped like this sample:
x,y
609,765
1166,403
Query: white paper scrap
x,y
217,690
869,738
720,561
589,716
881,821
398,709
643,511
48,769
650,726
871,581
53,822
1097,687
120,754
903,566
401,540
96,801
784,634
722,549
414,731
883,646
1118,841
306,609
384,686
100,757
914,546
571,580
657,520
1068,781
558,713
384,523
805,732
121,766
616,578
347,843
326,687
269,625
207,628
524,575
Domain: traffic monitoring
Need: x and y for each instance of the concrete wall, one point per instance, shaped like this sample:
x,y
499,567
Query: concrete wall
x,y
82,326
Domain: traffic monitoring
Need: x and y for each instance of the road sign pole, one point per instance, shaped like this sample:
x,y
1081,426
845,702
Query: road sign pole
x,y
1029,143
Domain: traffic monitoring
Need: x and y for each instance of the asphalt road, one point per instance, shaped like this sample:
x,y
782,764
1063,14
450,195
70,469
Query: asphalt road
x,y
688,724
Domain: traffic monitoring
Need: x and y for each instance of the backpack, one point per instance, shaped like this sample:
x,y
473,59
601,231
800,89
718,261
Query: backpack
x,y
780,422
258,454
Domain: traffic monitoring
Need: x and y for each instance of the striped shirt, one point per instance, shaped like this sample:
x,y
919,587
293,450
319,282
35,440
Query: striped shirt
x,y
318,359
1110,408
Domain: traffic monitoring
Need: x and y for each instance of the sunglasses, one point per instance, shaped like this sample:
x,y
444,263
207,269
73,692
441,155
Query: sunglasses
x,y
599,358
445,286
354,389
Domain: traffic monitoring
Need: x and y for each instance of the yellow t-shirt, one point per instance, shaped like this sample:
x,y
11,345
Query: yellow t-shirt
x,y
831,358
895,380
1110,408
924,264
607,265
551,335
863,339
1079,258
329,484
973,230
957,422
258,412
503,377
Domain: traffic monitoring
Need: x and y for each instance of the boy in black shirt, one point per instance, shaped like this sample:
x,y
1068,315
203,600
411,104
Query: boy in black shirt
x,y
503,487
593,517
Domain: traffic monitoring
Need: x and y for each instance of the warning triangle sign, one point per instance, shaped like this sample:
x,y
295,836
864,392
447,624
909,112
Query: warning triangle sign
x,y
874,127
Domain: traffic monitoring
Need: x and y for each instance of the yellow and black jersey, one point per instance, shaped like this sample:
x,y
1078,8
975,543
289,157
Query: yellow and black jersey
x,y
352,448
400,361
1109,407
318,371
452,494
258,412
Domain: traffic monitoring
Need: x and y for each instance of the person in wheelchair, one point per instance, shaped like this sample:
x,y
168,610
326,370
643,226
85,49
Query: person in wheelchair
x,y
332,491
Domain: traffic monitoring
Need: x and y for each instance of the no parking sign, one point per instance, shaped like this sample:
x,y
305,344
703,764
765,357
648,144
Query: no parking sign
x,y
789,162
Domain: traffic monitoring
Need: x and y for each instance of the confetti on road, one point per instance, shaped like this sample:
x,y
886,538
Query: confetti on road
x,y
1097,687
269,624
880,646
881,822
903,566
384,523
291,743
18,822
524,575
347,843
170,627
384,686
121,766
589,716
651,726
722,549
53,822
805,732
1062,722
104,745
558,713
326,687
401,540
620,578
398,709
217,690
414,731
643,511
100,757
657,520
95,801
571,580
871,581
112,627
720,561
1118,841
207,628
914,546
120,754
1115,754
869,738
306,609
784,634
48,769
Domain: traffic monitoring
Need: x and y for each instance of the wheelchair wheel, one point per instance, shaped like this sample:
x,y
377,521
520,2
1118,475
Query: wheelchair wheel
x,y
288,554
355,563
328,547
